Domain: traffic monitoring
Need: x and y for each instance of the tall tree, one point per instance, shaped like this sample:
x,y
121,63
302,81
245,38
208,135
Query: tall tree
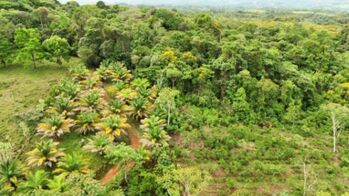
x,y
29,45
339,117
166,102
57,49
6,51
42,14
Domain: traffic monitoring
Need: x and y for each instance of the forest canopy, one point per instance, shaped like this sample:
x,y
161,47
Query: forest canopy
x,y
162,101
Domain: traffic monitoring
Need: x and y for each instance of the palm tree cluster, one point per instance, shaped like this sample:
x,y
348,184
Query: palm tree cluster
x,y
98,104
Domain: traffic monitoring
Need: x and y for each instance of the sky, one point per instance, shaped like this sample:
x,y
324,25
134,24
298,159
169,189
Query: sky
x,y
344,4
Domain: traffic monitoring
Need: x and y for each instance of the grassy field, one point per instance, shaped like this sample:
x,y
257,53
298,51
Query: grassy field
x,y
20,90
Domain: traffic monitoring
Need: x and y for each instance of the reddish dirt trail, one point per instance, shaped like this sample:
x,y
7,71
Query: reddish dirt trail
x,y
135,144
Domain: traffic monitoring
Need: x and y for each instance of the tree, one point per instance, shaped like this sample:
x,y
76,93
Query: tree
x,y
6,51
122,154
28,44
55,126
45,154
141,108
72,162
191,180
87,122
113,126
339,115
57,49
241,108
293,112
166,102
101,5
173,74
154,133
42,14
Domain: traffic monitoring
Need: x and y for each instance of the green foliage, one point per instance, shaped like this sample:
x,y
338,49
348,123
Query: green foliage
x,y
5,51
71,163
57,49
35,180
55,126
98,144
29,45
87,122
243,94
10,172
121,153
46,154
58,183
154,133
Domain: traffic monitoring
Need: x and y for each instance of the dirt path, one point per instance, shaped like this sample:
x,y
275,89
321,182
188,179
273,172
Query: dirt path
x,y
135,143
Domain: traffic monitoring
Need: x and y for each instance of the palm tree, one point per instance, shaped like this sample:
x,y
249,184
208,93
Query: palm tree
x,y
119,71
91,99
141,108
154,91
155,137
9,174
87,122
79,72
98,143
119,107
113,71
91,82
141,86
102,72
72,163
126,94
140,83
62,105
154,133
35,180
152,122
58,183
45,154
69,89
113,126
55,126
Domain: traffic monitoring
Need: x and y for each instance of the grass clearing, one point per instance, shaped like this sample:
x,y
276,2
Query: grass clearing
x,y
20,90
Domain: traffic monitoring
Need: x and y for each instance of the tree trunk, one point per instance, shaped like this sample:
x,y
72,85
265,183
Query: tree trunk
x,y
42,24
168,114
4,62
334,130
34,60
305,176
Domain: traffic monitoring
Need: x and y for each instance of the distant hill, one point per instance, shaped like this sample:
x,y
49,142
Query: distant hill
x,y
24,5
296,4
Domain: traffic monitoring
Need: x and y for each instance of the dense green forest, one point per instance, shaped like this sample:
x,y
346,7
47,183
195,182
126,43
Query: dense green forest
x,y
121,100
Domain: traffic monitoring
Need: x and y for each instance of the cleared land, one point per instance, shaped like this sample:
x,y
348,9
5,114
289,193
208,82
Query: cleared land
x,y
20,90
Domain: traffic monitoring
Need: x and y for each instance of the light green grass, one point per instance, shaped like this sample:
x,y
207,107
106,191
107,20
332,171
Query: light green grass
x,y
20,90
